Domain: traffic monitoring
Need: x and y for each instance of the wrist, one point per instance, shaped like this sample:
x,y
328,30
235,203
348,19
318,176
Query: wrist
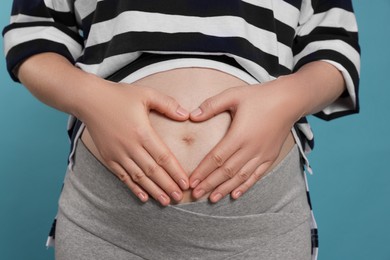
x,y
295,95
289,99
90,91
58,83
312,88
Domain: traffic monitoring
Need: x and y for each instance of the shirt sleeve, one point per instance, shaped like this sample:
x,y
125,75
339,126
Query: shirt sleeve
x,y
328,31
39,26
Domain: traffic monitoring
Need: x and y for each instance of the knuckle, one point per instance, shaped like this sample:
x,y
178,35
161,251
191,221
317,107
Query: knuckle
x,y
163,159
243,175
258,175
152,170
229,172
138,176
216,159
122,176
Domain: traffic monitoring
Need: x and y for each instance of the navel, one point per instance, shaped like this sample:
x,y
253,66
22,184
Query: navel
x,y
188,139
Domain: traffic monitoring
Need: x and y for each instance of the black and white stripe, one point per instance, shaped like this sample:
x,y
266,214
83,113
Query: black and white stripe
x,y
267,38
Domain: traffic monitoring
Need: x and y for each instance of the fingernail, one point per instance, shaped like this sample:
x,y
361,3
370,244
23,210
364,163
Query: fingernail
x,y
183,184
163,200
196,112
217,197
195,183
176,196
199,193
142,197
181,111
237,194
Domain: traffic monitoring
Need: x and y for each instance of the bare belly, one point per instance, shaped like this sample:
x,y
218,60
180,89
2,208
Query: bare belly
x,y
190,141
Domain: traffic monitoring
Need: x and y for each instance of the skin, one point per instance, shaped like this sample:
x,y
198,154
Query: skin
x,y
56,82
146,164
237,162
189,141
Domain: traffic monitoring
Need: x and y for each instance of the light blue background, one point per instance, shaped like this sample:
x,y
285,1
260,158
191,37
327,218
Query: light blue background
x,y
350,188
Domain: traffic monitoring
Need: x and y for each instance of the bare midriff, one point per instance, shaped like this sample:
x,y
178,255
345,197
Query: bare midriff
x,y
190,141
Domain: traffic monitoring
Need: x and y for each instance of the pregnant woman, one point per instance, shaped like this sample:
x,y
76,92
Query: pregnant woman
x,y
175,105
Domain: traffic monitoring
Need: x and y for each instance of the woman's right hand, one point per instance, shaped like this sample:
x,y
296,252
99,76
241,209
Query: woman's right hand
x,y
117,118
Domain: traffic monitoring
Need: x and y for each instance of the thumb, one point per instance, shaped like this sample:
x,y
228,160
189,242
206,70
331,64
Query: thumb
x,y
167,106
225,101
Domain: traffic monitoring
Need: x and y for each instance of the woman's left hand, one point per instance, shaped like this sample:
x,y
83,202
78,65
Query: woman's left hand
x,y
263,116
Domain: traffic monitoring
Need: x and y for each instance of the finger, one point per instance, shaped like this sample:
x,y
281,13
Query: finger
x,y
126,179
152,171
238,179
140,178
215,158
163,157
252,180
225,101
222,174
167,106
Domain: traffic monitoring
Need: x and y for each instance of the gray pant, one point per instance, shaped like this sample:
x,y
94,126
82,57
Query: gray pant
x,y
99,218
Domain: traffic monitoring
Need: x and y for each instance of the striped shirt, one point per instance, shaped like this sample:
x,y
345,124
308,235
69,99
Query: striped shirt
x,y
266,38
